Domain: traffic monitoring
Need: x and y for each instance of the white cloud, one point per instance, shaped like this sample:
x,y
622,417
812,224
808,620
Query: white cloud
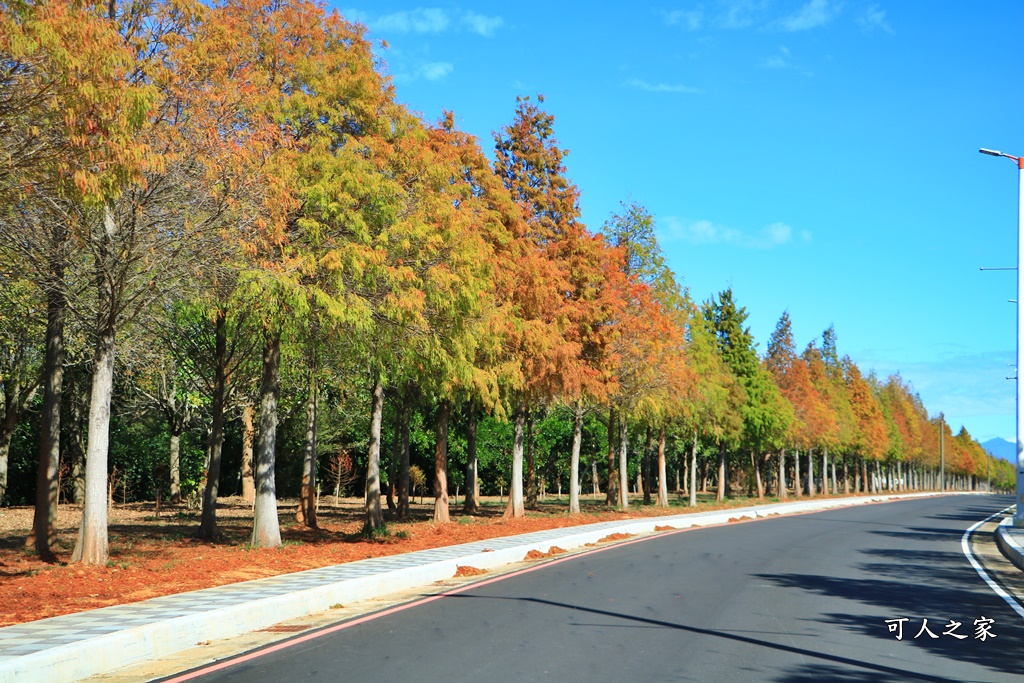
x,y
779,61
812,15
691,20
707,232
874,18
740,13
427,20
435,70
733,14
419,20
777,233
480,24
970,388
783,60
744,14
662,87
430,71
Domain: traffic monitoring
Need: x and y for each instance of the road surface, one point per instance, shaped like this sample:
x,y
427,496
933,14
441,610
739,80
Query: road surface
x,y
808,598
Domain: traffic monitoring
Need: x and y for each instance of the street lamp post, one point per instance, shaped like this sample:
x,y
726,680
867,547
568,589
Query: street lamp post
x,y
1018,516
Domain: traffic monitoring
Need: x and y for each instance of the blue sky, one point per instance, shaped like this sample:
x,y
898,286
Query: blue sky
x,y
818,156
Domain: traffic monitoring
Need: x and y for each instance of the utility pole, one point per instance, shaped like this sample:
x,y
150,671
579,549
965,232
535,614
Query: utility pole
x,y
1018,515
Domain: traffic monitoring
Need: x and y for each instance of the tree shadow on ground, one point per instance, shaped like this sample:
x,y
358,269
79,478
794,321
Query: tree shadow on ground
x,y
943,593
928,534
872,671
975,512
896,563
820,673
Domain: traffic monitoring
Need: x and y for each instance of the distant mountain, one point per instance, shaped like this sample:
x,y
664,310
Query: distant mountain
x,y
1001,448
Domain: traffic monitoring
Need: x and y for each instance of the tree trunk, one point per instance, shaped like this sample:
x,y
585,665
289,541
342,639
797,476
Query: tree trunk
x,y
595,480
43,536
396,453
662,470
175,468
215,439
515,493
797,483
5,450
92,547
306,513
17,397
470,505
720,496
824,470
248,434
76,442
623,469
266,529
755,461
835,482
374,514
403,465
612,496
846,477
645,468
574,458
693,471
531,465
810,472
783,494
441,463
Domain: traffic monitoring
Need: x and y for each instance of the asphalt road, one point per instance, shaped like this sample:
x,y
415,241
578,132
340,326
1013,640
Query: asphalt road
x,y
794,599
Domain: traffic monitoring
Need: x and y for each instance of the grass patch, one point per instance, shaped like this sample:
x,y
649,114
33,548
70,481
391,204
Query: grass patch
x,y
370,532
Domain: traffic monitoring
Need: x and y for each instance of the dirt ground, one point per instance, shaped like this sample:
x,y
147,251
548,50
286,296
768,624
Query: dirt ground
x,y
153,555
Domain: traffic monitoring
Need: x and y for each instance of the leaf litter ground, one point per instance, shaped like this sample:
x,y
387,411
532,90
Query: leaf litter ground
x,y
153,555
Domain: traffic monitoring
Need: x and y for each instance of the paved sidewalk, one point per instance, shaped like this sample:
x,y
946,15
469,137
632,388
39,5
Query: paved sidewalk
x,y
1011,542
76,646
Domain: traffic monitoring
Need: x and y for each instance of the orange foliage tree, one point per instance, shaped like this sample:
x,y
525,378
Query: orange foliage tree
x,y
872,439
814,422
540,334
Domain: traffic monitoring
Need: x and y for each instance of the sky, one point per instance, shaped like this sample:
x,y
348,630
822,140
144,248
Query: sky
x,y
817,156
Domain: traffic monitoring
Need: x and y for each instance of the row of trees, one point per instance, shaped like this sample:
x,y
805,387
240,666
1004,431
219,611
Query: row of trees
x,y
202,203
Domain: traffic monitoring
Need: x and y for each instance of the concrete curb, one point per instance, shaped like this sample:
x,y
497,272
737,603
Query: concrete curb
x,y
1010,540
76,646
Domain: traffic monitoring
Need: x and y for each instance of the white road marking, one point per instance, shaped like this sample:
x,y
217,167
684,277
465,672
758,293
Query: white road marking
x,y
965,545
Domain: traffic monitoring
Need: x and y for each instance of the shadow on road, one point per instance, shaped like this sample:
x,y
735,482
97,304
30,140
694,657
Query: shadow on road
x,y
872,672
941,582
817,673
